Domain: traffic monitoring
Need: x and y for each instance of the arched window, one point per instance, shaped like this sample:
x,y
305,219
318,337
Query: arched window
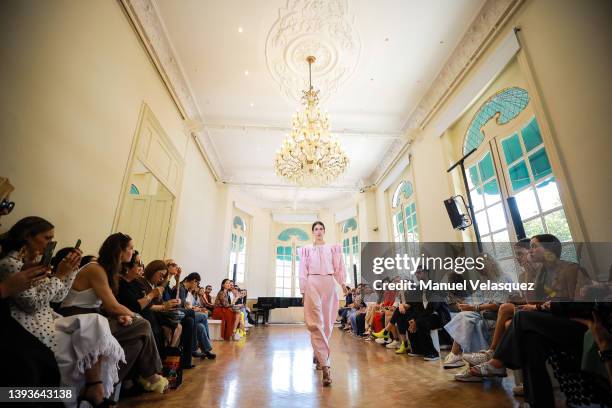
x,y
511,161
287,262
238,249
405,224
349,234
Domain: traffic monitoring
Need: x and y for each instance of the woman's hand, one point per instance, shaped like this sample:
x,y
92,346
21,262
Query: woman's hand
x,y
69,263
125,320
24,279
464,307
412,327
601,335
157,292
528,307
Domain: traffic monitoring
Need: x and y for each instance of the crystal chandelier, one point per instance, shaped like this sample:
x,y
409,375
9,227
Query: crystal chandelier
x,y
310,155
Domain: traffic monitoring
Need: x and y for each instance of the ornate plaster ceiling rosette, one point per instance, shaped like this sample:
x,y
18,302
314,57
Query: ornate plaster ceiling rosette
x,y
322,28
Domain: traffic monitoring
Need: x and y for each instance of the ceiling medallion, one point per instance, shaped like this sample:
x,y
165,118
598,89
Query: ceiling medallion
x,y
323,29
310,156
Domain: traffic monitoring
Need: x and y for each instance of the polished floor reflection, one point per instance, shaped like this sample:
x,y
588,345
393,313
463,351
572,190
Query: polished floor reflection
x,y
273,368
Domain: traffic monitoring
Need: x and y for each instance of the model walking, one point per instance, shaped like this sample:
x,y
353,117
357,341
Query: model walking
x,y
321,266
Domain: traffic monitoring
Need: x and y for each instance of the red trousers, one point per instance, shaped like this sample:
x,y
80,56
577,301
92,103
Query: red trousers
x,y
227,317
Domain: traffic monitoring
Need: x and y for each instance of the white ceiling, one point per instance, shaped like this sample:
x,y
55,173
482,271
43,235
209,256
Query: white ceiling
x,y
395,50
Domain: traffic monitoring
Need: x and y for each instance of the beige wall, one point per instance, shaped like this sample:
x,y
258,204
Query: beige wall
x,y
73,83
567,45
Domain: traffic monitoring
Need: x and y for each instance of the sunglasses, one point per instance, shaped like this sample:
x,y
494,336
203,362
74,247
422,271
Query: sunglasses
x,y
6,206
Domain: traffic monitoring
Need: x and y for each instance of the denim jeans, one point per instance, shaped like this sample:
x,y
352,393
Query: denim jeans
x,y
201,332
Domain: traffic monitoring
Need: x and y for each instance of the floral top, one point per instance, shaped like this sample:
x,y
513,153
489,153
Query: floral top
x,y
321,260
31,307
222,299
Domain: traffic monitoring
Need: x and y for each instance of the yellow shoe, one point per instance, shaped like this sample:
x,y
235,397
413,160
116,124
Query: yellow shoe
x,y
402,349
381,334
159,386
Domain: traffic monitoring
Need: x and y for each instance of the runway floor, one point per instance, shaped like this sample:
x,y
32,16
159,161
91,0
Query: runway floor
x,y
273,368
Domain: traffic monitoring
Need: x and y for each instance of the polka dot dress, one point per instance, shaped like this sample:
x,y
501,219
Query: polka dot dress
x,y
31,307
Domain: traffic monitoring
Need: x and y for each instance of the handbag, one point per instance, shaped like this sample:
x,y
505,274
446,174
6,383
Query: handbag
x,y
171,366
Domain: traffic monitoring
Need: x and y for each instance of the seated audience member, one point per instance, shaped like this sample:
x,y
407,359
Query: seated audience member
x,y
348,304
83,348
206,299
397,325
225,312
471,328
186,290
94,289
187,316
238,299
87,259
167,315
543,331
426,316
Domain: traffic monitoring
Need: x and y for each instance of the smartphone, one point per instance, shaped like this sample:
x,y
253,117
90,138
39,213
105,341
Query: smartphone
x,y
48,254
78,244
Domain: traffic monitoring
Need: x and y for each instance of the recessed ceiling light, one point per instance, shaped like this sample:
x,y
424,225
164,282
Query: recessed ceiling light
x,y
371,79
442,42
246,73
252,104
239,29
387,39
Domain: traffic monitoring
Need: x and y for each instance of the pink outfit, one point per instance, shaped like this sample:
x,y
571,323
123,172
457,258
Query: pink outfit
x,y
320,267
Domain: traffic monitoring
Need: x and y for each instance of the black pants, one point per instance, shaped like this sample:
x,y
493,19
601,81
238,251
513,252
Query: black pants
x,y
527,345
420,341
188,336
360,323
401,320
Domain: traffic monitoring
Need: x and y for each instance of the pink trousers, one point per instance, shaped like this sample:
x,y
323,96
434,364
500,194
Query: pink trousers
x,y
320,311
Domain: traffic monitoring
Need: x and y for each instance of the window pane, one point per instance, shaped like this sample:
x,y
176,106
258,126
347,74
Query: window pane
x,y
413,208
409,224
496,217
414,220
486,167
548,194
491,192
519,176
556,224
477,196
540,166
400,227
526,203
531,135
481,220
473,179
533,227
512,148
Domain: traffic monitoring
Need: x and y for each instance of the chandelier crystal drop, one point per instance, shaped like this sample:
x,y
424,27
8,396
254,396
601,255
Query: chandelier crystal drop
x,y
310,155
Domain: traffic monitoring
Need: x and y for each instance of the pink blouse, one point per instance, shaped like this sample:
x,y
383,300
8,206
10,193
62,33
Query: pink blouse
x,y
321,260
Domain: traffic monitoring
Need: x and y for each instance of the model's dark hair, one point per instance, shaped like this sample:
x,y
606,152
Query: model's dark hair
x,y
86,259
550,243
223,283
524,243
16,238
314,224
110,256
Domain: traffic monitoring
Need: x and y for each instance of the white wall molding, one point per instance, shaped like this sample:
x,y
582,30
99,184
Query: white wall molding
x,y
483,29
151,31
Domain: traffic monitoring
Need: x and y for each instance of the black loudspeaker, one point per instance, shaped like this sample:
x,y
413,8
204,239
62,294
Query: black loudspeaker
x,y
516,218
458,220
234,272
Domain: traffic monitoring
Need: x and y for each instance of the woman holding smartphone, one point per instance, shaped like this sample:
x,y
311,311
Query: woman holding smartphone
x,y
321,267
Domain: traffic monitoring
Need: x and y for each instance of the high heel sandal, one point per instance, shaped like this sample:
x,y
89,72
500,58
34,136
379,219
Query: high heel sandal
x,y
326,377
105,403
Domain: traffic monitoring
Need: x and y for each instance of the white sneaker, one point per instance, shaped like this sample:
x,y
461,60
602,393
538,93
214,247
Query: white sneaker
x,y
382,341
453,360
247,325
478,358
237,336
415,355
393,345
465,376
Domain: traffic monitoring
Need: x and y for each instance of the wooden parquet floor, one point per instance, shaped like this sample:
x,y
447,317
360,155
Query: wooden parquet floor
x,y
273,368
